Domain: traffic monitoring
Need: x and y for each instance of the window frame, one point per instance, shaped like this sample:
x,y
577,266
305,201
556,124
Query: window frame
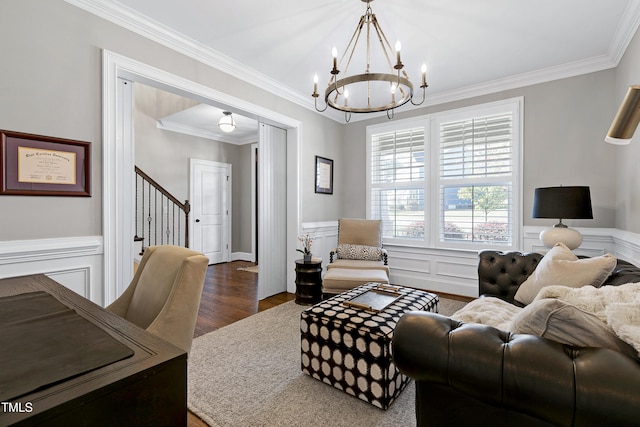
x,y
393,126
432,200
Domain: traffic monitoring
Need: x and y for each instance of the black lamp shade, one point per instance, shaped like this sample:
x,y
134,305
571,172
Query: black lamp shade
x,y
562,203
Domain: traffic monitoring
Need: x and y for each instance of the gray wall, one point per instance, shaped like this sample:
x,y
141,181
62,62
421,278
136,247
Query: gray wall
x,y
51,84
626,167
165,156
564,125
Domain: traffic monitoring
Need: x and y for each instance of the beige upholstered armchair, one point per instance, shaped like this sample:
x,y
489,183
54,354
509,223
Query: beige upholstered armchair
x,y
359,240
164,295
359,257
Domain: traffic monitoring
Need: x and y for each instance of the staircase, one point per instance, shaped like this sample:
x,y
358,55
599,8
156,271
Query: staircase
x,y
161,219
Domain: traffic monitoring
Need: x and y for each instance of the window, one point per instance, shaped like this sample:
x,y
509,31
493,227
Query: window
x,y
456,185
397,182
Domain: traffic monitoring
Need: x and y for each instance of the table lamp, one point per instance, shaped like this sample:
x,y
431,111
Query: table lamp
x,y
562,203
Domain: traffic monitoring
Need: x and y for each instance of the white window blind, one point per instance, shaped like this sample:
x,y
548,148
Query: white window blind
x,y
476,179
397,184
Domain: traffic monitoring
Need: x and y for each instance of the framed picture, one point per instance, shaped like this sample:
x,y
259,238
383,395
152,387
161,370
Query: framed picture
x,y
33,165
324,175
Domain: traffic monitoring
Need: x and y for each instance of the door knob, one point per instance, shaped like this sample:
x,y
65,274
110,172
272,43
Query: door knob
x,y
197,220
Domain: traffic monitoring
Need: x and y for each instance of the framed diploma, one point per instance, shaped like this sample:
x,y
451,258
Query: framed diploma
x,y
33,165
324,175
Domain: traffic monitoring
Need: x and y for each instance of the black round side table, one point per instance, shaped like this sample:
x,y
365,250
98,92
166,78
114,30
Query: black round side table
x,y
308,281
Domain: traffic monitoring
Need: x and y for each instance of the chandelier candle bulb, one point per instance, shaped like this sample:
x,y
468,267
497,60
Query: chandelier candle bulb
x,y
424,75
334,53
398,47
315,83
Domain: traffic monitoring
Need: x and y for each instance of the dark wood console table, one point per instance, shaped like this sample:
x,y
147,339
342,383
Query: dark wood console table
x,y
147,385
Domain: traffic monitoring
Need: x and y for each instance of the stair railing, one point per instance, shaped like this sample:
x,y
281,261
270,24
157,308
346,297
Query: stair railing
x,y
160,217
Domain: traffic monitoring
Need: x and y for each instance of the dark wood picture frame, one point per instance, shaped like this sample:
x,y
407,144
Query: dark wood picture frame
x,y
324,175
35,165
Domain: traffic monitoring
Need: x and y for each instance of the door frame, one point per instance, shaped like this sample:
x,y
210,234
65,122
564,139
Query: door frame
x,y
118,161
228,216
254,204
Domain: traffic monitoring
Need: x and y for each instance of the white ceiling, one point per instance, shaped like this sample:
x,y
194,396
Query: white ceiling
x,y
471,47
202,120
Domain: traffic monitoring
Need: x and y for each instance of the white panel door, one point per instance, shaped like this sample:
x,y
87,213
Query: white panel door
x,y
210,205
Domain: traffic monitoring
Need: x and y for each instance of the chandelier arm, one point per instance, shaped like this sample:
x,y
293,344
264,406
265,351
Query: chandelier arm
x,y
393,113
335,98
356,37
424,95
336,88
399,86
315,102
382,38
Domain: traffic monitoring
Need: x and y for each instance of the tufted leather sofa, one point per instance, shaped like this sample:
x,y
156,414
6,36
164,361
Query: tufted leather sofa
x,y
500,274
471,374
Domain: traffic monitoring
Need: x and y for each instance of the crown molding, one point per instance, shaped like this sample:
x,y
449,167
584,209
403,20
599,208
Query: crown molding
x,y
626,30
525,79
127,18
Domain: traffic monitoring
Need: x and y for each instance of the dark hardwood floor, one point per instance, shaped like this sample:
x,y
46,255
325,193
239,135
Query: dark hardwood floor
x,y
229,295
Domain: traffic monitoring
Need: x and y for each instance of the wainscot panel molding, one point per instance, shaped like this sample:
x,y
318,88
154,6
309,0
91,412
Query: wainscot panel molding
x,y
75,262
627,246
456,271
595,242
440,270
325,239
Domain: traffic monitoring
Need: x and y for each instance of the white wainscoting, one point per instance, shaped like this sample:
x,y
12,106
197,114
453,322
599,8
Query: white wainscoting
x,y
75,262
455,271
325,239
595,242
440,270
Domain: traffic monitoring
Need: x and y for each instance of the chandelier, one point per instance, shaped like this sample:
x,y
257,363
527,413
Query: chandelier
x,y
368,92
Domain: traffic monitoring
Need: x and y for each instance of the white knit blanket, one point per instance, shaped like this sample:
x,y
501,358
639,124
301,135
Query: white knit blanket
x,y
617,306
488,311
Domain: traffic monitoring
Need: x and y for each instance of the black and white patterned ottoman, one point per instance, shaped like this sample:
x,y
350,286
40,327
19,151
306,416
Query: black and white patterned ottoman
x,y
350,348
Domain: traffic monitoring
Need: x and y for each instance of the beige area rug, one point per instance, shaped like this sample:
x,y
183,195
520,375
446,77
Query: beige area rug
x,y
248,374
252,269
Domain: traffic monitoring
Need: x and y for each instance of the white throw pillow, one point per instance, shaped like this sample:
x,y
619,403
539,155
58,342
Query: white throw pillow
x,y
561,267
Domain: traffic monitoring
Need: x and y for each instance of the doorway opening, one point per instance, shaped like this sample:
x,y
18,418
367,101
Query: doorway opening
x,y
118,164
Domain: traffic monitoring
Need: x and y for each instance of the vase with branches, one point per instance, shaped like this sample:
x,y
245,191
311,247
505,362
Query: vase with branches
x,y
306,242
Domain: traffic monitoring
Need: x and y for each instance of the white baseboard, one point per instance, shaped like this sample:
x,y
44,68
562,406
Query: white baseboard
x,y
242,256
